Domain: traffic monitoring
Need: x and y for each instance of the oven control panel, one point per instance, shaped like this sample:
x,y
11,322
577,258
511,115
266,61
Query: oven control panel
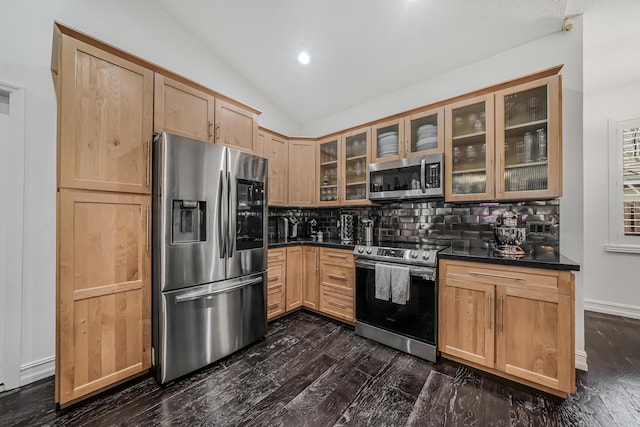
x,y
390,253
417,256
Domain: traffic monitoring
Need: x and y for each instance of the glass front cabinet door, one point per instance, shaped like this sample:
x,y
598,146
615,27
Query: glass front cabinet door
x,y
469,148
424,133
329,166
388,140
528,141
356,167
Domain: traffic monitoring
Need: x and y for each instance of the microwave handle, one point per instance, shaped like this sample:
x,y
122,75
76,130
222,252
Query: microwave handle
x,y
422,175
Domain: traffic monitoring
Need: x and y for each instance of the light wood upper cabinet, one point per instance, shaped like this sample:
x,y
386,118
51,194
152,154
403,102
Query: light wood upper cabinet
x,y
387,140
529,141
236,127
105,120
104,291
182,110
310,262
514,322
342,169
277,153
260,143
302,173
469,150
515,154
295,277
414,135
329,171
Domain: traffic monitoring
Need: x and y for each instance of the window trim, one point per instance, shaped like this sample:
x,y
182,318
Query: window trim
x,y
618,241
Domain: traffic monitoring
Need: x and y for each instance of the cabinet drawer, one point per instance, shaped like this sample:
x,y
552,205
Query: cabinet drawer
x,y
337,301
544,280
277,254
275,275
337,275
336,255
275,302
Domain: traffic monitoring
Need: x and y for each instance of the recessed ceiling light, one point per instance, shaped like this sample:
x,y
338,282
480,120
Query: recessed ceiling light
x,y
304,58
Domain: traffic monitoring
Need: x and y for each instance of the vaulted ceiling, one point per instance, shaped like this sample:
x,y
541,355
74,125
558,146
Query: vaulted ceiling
x,y
360,49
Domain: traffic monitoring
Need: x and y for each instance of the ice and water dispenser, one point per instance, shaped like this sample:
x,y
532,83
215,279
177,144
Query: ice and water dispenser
x,y
189,221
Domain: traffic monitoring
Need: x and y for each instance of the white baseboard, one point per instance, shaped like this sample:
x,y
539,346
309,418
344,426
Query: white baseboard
x,y
612,308
37,370
581,360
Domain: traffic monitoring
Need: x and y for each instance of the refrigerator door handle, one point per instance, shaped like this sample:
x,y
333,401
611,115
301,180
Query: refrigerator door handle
x,y
199,295
232,223
221,222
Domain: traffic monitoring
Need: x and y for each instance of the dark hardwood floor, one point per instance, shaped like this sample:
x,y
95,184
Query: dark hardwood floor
x,y
316,372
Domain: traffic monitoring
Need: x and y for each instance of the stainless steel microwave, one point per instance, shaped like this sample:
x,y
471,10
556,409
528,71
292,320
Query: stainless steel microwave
x,y
412,178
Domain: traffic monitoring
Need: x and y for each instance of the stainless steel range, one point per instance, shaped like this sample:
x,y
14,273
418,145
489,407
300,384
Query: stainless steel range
x,y
397,296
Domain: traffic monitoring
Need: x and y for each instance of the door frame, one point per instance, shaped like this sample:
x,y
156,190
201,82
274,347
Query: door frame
x,y
11,296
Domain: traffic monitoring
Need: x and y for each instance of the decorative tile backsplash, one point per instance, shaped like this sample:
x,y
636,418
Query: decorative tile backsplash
x,y
469,224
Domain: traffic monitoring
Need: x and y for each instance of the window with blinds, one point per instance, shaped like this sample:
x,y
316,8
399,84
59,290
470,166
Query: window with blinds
x,y
624,186
631,180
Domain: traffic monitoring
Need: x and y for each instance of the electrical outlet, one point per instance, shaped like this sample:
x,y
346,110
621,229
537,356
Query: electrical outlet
x,y
539,227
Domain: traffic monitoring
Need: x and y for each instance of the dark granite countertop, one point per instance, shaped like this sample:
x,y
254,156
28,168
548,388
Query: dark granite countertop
x,y
336,244
540,256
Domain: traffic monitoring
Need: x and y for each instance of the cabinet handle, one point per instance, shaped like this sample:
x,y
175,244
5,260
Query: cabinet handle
x,y
316,262
147,230
489,313
336,303
210,129
271,279
336,255
275,287
335,276
499,175
148,177
218,131
275,255
478,273
501,319
273,304
406,146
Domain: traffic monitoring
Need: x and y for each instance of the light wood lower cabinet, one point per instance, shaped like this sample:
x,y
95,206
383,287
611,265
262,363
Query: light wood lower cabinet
x,y
295,277
337,283
276,282
514,322
311,268
319,279
104,298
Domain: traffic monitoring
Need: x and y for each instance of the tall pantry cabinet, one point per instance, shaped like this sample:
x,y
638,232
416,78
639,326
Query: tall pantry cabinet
x,y
105,124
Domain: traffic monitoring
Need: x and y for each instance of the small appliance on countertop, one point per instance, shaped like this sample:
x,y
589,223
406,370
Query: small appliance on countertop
x,y
346,228
509,236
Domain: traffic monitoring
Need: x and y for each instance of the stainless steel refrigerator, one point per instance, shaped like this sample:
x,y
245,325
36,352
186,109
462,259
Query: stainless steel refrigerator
x,y
209,253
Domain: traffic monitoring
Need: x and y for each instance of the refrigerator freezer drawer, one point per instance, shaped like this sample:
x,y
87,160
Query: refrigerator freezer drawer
x,y
202,324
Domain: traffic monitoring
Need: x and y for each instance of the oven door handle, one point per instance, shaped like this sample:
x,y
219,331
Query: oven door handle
x,y
425,272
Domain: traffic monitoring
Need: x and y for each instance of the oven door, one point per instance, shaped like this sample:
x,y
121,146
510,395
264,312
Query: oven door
x,y
416,319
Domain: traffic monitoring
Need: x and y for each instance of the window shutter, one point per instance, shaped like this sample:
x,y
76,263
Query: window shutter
x,y
631,180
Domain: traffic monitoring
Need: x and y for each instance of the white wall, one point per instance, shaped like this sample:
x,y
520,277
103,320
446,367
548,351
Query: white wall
x,y
139,27
611,91
558,48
